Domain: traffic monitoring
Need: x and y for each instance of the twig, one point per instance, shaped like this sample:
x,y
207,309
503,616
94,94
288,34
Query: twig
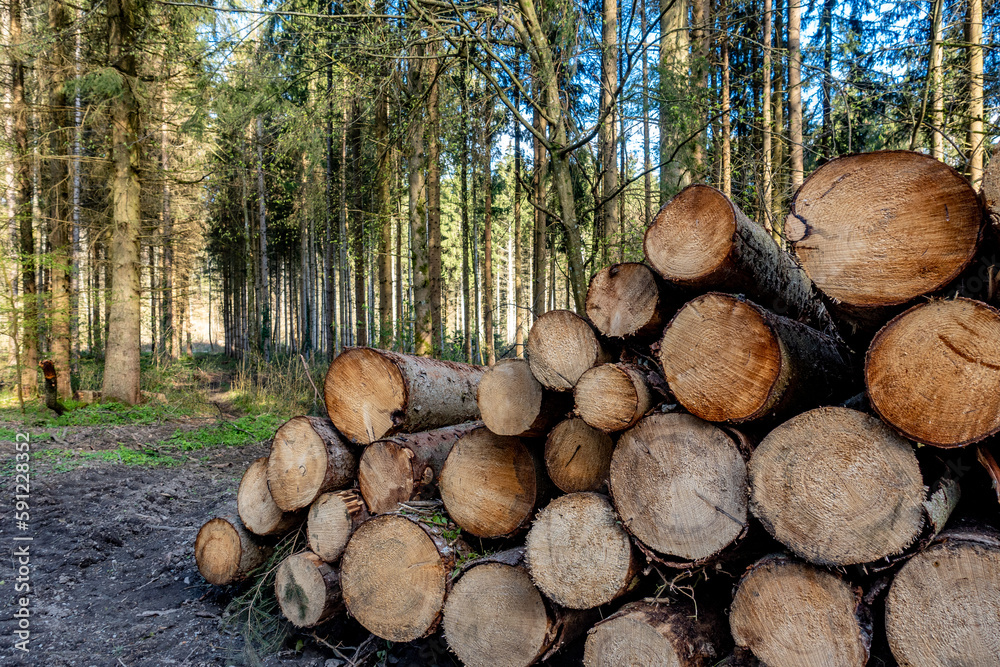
x,y
309,375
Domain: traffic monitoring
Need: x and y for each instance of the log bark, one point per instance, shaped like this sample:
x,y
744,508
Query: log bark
x,y
944,605
679,485
647,633
512,402
932,372
792,614
371,394
226,552
496,617
256,507
52,401
333,518
727,359
406,466
629,301
395,574
838,487
880,229
578,554
990,188
578,456
307,589
489,483
701,240
308,457
561,346
613,397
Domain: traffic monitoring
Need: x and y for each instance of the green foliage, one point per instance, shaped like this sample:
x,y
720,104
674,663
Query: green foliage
x,y
243,431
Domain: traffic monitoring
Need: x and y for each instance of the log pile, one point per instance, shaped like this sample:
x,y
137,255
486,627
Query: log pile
x,y
722,461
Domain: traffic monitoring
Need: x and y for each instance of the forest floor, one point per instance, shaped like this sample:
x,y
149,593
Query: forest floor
x,y
116,498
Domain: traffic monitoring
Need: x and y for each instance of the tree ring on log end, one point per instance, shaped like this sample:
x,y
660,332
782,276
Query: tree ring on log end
x,y
722,360
933,372
561,346
385,476
301,591
511,397
624,300
578,456
879,229
691,236
218,551
297,465
628,641
365,394
838,487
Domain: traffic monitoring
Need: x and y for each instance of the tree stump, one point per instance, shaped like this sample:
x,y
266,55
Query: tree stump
x,y
726,359
256,507
308,458
371,394
226,552
307,589
679,485
838,487
561,346
512,402
406,466
880,229
613,397
332,519
792,614
932,372
944,604
578,554
578,456
701,240
628,301
489,484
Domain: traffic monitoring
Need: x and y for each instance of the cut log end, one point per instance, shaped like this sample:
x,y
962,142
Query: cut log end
x,y
944,605
257,508
560,347
792,614
394,578
307,589
880,229
510,398
691,236
332,520
721,359
225,552
679,485
577,552
578,456
612,397
933,371
307,458
838,487
624,300
365,394
495,617
385,476
489,484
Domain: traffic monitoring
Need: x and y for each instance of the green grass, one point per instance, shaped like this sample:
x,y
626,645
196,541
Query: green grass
x,y
237,433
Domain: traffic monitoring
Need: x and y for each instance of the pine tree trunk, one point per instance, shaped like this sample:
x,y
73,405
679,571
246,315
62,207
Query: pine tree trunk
x,y
263,336
512,402
419,240
937,81
561,346
333,518
434,201
608,137
795,92
766,177
647,167
538,263
974,39
358,225
308,457
520,318
674,171
307,589
488,296
578,456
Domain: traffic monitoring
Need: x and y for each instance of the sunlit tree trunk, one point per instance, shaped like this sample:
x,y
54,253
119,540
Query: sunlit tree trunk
x,y
519,311
795,92
434,200
488,297
974,38
727,146
358,225
466,236
674,173
419,255
265,276
608,137
766,123
937,81
647,179
384,202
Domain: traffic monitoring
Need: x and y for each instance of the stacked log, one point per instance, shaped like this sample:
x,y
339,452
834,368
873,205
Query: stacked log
x,y
672,468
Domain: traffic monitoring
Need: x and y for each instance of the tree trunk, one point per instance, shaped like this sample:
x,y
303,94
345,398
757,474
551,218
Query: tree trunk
x,y
333,518
827,143
766,178
795,92
578,554
488,296
512,402
308,457
727,359
674,125
561,346
578,456
679,485
540,176
974,38
386,176
937,81
400,594
264,299
700,66
791,613
419,240
257,510
647,633
880,229
613,397
358,225
854,498
726,111
520,319
434,200
489,484
608,137
930,371
307,589
121,366
226,552
494,615
374,393
629,301
942,608
727,251
406,467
